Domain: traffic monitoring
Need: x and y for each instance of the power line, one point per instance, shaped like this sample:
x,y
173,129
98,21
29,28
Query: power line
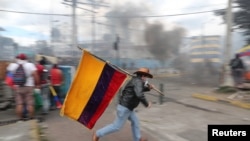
x,y
149,16
93,4
201,6
33,13
204,6
170,15
80,7
96,4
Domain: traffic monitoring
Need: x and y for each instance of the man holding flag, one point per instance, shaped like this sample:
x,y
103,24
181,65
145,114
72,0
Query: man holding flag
x,y
130,98
95,84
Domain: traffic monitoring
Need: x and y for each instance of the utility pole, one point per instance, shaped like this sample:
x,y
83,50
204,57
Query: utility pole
x,y
74,26
51,24
93,27
94,5
227,78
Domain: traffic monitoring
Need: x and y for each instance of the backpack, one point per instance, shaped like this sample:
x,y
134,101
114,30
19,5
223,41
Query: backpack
x,y
19,76
44,75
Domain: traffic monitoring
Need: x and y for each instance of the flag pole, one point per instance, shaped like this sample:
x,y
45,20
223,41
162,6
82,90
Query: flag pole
x,y
120,69
158,91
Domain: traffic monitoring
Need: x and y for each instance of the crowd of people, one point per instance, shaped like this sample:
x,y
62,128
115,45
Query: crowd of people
x,y
28,78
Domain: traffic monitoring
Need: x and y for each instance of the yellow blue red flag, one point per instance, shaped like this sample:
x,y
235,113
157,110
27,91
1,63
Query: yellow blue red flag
x,y
94,85
245,51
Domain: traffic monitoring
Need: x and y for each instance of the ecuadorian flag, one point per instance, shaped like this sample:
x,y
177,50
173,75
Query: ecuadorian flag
x,y
92,89
244,51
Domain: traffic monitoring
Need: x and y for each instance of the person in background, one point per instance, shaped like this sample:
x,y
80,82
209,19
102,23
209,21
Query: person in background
x,y
43,60
9,75
24,93
237,69
43,77
132,95
56,80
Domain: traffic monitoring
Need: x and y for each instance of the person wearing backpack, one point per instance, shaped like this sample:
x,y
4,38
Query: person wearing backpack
x,y
237,69
25,78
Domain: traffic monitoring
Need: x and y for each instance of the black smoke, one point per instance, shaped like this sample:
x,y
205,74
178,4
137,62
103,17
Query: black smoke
x,y
121,17
161,43
130,22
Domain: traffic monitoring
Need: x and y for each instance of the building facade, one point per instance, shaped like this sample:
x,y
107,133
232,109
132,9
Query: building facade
x,y
206,49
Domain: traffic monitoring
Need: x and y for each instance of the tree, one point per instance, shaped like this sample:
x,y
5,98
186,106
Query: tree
x,y
241,17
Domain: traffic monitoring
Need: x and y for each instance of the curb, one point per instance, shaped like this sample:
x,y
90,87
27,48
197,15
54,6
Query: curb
x,y
34,130
205,97
241,104
215,99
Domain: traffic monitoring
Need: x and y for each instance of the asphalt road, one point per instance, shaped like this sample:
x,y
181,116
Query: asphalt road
x,y
184,118
179,118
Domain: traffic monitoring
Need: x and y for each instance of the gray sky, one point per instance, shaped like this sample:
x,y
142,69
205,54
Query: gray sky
x,y
26,28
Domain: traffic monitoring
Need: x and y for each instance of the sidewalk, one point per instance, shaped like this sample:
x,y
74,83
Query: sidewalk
x,y
240,98
20,131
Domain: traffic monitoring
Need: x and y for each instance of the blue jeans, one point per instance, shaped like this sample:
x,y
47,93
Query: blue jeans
x,y
123,114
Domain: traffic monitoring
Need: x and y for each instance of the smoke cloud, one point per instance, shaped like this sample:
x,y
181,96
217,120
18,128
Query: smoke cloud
x,y
124,25
161,43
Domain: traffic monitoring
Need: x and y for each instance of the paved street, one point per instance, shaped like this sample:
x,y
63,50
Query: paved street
x,y
183,118
64,129
180,118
